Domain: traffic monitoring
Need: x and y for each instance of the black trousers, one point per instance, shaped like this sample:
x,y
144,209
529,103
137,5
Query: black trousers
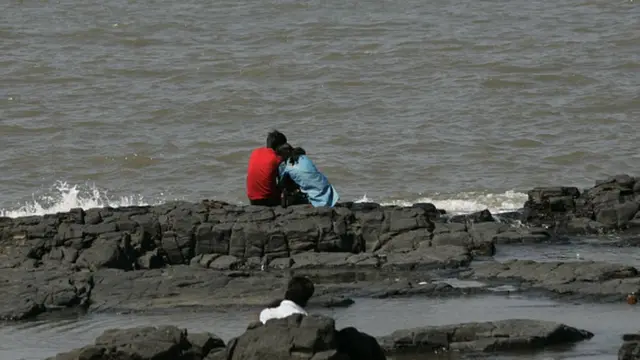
x,y
265,202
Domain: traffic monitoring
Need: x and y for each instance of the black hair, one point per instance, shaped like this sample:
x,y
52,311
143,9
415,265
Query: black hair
x,y
275,139
289,154
295,155
299,290
284,151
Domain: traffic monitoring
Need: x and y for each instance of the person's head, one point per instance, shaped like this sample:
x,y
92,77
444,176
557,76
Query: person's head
x,y
284,151
299,290
295,155
275,139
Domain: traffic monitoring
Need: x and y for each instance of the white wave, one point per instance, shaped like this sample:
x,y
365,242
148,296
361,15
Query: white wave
x,y
64,197
466,202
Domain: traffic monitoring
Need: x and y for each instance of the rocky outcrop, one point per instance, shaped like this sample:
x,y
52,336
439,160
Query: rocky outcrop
x,y
99,257
211,253
296,337
612,204
221,236
148,343
495,336
315,337
305,338
630,349
26,294
582,279
210,234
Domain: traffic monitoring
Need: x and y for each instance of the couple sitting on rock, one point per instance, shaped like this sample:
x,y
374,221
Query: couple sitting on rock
x,y
351,342
280,174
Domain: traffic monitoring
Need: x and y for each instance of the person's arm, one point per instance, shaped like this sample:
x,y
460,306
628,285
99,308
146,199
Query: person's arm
x,y
282,170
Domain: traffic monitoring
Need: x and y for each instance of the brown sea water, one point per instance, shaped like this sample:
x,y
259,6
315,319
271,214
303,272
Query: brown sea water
x,y
465,103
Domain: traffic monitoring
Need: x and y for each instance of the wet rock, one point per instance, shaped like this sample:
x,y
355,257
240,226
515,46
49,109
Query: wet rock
x,y
310,260
302,337
630,349
108,251
328,261
175,233
408,288
26,294
281,263
476,217
430,210
147,343
179,286
580,278
204,260
428,258
224,237
334,302
524,236
495,336
611,204
150,260
180,253
225,262
584,226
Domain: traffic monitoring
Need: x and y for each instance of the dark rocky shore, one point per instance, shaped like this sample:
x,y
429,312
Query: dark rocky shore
x,y
315,337
630,349
214,254
217,254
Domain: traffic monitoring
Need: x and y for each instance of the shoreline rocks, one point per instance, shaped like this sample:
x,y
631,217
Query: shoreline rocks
x,y
30,293
630,348
611,205
315,337
592,279
147,343
483,337
223,236
312,337
212,253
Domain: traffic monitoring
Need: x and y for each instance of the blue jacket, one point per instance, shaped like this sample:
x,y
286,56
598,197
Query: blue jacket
x,y
311,181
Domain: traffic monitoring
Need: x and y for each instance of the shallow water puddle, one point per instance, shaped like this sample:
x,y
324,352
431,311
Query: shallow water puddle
x,y
38,340
569,252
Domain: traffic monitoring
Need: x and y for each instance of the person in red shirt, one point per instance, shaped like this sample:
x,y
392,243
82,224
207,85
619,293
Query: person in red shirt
x,y
262,173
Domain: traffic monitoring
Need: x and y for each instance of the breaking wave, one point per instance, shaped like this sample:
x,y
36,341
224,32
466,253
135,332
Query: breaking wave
x,y
465,202
63,197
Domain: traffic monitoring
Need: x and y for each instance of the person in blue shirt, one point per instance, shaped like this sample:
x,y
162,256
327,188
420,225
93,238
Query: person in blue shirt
x,y
297,168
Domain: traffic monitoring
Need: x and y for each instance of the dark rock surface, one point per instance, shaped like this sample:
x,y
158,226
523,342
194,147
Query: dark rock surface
x,y
211,253
495,336
302,337
612,204
579,279
296,337
630,349
140,257
315,337
221,236
28,293
147,343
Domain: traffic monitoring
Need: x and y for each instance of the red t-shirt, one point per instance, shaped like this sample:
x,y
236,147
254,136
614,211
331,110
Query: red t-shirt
x,y
262,173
